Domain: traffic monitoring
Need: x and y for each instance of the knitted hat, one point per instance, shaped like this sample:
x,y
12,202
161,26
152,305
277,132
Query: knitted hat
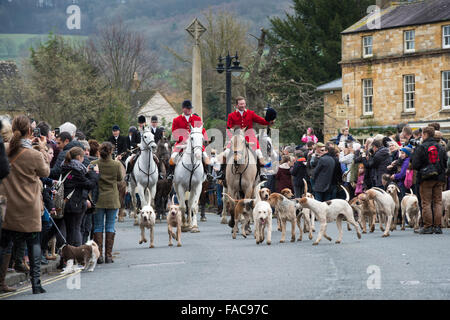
x,y
406,150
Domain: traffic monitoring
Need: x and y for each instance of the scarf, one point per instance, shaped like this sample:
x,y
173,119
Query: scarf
x,y
26,143
77,165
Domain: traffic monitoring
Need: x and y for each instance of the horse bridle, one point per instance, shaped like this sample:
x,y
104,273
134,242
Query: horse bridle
x,y
248,161
148,147
193,148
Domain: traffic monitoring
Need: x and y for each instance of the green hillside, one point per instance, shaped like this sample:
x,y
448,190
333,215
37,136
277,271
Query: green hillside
x,y
17,46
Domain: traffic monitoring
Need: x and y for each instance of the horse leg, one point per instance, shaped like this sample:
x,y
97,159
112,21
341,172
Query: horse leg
x,y
134,213
141,193
182,204
193,204
224,211
152,193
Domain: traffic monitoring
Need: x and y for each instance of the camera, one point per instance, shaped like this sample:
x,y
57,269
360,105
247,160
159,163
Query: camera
x,y
414,142
37,133
56,132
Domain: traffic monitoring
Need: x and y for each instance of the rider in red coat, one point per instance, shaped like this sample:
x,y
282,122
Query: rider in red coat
x,y
244,118
181,128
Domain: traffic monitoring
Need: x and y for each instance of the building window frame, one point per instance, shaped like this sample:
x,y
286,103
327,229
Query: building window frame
x,y
367,96
409,39
445,89
446,37
409,93
367,49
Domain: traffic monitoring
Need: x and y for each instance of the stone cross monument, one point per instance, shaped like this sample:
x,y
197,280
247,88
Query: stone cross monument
x,y
196,29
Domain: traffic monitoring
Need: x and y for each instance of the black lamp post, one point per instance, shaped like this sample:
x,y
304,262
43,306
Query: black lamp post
x,y
229,68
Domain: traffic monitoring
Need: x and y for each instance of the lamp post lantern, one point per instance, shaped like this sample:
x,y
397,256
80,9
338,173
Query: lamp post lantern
x,y
230,67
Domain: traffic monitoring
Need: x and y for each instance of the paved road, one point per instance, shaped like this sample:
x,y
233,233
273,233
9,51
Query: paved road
x,y
211,265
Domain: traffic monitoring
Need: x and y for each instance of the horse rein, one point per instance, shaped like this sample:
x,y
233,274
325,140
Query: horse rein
x,y
192,160
149,148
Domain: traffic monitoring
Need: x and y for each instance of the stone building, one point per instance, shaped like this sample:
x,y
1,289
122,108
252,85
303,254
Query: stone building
x,y
159,106
395,69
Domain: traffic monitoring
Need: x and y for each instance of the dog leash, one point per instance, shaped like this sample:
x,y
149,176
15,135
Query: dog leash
x,y
59,231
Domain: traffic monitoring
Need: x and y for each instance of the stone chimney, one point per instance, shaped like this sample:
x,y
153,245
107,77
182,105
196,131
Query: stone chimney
x,y
385,3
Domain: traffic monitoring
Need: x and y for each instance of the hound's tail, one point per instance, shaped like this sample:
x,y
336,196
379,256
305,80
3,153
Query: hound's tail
x,y
226,194
306,186
347,196
378,189
258,187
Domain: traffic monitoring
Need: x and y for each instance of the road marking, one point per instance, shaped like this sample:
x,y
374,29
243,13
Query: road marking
x,y
410,282
155,264
45,282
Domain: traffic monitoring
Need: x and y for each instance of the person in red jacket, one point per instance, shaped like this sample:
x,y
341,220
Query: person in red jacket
x,y
181,128
245,118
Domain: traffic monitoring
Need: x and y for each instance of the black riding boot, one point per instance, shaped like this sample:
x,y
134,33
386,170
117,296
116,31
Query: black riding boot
x,y
170,172
221,173
208,170
34,255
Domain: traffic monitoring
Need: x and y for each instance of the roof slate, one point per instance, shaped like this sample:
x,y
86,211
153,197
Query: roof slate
x,y
401,14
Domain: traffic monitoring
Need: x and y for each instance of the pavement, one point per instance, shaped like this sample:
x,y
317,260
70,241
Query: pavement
x,y
210,265
14,278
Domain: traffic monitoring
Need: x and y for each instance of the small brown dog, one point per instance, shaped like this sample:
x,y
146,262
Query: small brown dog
x,y
244,208
174,221
87,254
367,211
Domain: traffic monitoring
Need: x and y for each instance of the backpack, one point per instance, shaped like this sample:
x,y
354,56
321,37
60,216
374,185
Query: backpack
x,y
58,197
433,169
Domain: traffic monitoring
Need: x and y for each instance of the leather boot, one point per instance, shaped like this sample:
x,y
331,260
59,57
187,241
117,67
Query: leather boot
x,y
36,286
98,238
109,243
3,270
34,255
221,173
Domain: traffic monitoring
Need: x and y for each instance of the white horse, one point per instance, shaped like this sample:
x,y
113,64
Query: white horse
x,y
189,176
145,173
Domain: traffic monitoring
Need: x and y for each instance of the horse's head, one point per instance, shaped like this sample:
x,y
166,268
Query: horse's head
x,y
196,141
238,145
148,141
163,148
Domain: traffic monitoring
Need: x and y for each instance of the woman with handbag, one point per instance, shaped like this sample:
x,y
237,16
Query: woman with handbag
x,y
77,185
108,202
22,188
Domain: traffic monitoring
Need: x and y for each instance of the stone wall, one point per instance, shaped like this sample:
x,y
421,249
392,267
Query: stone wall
x,y
387,67
389,42
335,113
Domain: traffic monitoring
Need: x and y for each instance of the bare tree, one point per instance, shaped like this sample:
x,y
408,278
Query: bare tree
x,y
120,54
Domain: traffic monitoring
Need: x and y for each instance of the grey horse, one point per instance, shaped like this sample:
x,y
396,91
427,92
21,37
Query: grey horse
x,y
189,176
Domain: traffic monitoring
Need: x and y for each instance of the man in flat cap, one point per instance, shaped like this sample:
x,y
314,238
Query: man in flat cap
x,y
119,142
